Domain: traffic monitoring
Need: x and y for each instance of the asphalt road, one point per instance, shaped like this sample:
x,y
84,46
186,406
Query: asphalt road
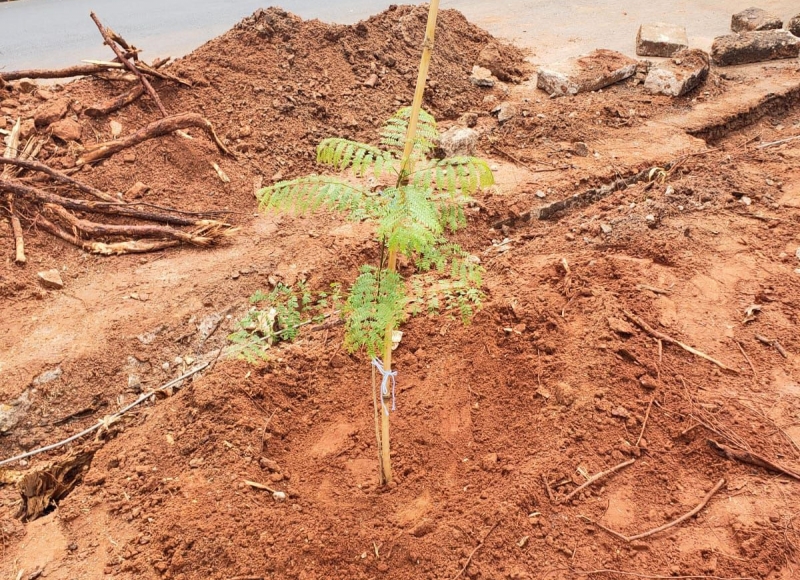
x,y
52,33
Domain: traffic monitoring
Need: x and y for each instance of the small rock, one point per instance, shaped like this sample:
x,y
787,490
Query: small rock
x,y
620,326
647,383
116,128
620,412
794,25
458,142
278,496
469,119
196,462
491,58
745,200
50,112
540,194
660,39
51,279
607,229
165,367
269,464
489,462
677,77
129,157
591,72
27,128
43,94
481,77
505,112
581,149
48,376
26,86
564,394
371,81
748,47
755,19
245,131
67,130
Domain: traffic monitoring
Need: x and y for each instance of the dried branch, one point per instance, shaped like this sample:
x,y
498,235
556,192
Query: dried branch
x,y
62,73
60,177
134,231
128,64
750,458
595,478
666,526
16,228
155,129
666,338
117,208
116,248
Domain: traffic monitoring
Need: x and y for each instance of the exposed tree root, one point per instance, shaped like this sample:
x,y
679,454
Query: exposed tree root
x,y
128,247
155,129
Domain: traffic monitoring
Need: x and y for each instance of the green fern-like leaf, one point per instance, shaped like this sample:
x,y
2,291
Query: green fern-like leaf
x,y
393,134
374,303
315,191
463,175
341,154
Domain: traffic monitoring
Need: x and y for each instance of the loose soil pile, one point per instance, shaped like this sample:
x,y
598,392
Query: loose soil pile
x,y
548,386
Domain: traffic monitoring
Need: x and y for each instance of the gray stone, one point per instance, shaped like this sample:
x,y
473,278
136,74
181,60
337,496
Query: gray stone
x,y
755,19
687,70
749,47
48,376
481,77
459,142
12,413
660,39
794,25
51,279
591,72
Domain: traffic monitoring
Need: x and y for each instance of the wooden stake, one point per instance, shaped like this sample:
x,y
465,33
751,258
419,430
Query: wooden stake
x,y
406,169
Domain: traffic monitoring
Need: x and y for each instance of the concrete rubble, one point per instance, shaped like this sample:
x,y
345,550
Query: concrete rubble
x,y
591,72
755,19
749,47
676,77
660,39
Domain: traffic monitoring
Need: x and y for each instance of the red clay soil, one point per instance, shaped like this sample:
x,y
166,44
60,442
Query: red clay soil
x,y
550,383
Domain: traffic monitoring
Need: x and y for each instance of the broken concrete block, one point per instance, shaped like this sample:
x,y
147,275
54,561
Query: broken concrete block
x,y
591,72
755,19
687,70
51,279
660,39
794,25
481,77
750,47
459,142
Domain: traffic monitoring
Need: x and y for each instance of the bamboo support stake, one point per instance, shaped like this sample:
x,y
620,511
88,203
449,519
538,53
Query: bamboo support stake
x,y
405,171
